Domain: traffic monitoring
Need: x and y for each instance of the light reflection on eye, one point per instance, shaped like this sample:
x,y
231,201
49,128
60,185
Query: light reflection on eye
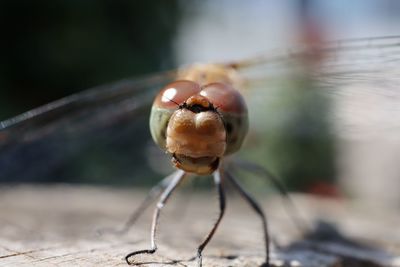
x,y
169,94
203,93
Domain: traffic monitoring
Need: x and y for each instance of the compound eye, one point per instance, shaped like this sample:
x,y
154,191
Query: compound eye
x,y
225,98
175,94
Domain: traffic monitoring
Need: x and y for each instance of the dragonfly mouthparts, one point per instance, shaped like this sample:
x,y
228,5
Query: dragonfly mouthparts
x,y
200,165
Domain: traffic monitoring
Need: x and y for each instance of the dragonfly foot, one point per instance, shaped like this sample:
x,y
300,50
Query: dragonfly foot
x,y
145,251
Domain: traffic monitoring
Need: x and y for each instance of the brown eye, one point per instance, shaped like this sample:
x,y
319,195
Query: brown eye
x,y
225,98
176,93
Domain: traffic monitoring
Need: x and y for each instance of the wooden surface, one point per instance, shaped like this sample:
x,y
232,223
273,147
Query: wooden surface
x,y
57,226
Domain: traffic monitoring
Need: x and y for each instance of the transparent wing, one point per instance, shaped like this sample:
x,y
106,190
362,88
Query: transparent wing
x,y
326,112
102,104
64,139
357,81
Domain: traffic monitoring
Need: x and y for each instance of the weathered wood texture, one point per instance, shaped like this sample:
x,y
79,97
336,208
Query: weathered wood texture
x,y
56,226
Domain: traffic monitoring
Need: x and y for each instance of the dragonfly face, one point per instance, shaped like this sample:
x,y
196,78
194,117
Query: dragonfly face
x,y
198,124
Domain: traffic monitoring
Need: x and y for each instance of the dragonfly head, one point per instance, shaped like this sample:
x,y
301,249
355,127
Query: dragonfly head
x,y
198,125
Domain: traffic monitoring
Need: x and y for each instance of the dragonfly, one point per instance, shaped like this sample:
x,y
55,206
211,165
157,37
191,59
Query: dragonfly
x,y
41,140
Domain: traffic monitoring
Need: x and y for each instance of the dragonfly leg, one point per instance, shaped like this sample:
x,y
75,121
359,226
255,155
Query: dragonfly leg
x,y
175,180
290,207
257,208
221,193
153,193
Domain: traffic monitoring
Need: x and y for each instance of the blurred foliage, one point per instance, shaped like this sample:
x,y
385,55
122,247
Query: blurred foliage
x,y
292,135
303,149
53,48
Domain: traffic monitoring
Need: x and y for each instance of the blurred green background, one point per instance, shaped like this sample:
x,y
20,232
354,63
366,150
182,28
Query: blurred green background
x,y
51,49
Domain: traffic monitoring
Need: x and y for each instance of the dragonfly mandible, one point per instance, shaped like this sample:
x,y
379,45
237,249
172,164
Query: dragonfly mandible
x,y
73,120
